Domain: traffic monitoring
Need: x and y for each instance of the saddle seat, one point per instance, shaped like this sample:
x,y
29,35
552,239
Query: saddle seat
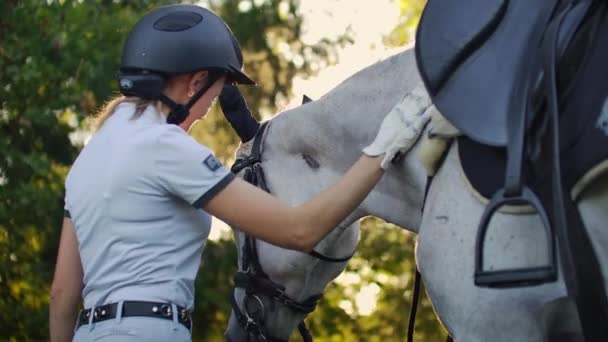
x,y
584,102
468,62
469,59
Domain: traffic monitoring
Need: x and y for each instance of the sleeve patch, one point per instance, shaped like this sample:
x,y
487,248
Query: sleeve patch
x,y
211,163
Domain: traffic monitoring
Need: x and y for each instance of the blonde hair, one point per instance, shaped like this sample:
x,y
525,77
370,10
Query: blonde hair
x,y
110,107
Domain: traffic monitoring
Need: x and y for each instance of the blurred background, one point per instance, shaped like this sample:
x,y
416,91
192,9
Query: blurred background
x,y
58,61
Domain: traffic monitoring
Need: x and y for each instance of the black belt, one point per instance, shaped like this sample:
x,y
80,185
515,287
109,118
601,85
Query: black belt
x,y
136,309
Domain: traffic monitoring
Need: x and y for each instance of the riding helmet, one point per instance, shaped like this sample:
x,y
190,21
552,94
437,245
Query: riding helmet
x,y
180,39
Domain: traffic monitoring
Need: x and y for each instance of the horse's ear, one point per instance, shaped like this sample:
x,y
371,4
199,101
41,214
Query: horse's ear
x,y
306,99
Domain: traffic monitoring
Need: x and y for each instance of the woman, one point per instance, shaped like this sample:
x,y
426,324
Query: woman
x,y
134,230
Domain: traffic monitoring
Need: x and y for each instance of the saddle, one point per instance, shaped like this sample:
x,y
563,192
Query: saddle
x,y
523,81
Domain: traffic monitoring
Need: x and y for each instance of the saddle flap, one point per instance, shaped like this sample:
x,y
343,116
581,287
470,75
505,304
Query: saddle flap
x,y
470,66
449,32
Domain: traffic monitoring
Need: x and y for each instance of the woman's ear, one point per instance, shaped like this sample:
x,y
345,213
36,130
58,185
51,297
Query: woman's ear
x,y
197,80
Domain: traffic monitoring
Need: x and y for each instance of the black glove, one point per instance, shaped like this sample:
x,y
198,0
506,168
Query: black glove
x,y
237,113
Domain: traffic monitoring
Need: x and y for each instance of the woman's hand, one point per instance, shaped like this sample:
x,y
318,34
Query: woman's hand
x,y
401,127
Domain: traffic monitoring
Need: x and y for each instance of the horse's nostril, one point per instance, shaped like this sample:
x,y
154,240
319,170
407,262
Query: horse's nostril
x,y
310,161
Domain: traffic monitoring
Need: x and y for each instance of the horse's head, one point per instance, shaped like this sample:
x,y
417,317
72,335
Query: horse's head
x,y
302,151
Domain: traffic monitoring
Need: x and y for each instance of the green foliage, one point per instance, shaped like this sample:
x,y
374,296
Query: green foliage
x,y
384,259
406,29
53,74
213,290
57,67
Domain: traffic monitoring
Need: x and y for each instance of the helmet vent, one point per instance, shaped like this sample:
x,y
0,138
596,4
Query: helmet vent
x,y
177,21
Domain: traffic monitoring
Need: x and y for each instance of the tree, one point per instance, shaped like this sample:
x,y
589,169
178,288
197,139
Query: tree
x,y
58,62
52,77
384,260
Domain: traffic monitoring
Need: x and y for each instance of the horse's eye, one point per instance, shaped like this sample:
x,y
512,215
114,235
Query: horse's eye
x,y
310,161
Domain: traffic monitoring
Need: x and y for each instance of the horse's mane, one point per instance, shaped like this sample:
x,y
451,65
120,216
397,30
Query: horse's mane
x,y
364,97
375,76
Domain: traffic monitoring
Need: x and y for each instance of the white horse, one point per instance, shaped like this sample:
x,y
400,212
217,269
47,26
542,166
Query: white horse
x,y
307,148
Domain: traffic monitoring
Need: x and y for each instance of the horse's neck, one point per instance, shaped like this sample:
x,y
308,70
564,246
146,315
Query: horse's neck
x,y
351,112
334,129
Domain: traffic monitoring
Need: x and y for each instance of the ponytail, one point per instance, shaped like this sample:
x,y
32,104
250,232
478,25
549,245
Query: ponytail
x,y
110,107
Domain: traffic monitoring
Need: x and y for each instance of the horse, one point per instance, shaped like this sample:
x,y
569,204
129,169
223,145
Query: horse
x,y
303,150
307,148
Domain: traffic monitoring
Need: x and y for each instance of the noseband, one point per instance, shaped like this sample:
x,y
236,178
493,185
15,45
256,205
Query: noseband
x,y
253,279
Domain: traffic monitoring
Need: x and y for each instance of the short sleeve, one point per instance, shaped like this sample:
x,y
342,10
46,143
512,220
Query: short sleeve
x,y
188,169
66,207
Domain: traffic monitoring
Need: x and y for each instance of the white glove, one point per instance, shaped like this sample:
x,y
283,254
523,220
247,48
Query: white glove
x,y
401,127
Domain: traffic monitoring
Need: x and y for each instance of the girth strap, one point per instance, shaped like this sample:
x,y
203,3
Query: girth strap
x,y
582,275
304,332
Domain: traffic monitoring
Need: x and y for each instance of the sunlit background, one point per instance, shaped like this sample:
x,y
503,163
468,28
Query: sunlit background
x,y
58,59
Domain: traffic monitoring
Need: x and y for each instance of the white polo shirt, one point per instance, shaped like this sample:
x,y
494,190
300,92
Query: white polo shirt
x,y
134,196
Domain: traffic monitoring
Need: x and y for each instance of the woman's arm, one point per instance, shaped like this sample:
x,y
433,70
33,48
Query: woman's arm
x,y
67,286
301,228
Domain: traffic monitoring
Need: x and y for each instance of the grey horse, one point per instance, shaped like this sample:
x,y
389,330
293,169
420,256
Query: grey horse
x,y
307,148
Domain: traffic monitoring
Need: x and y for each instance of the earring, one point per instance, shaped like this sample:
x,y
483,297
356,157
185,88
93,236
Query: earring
x,y
190,93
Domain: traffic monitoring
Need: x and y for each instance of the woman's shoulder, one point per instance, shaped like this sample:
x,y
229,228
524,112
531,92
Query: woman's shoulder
x,y
168,133
173,138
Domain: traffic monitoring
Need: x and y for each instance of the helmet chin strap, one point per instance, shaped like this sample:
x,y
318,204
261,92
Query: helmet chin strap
x,y
179,112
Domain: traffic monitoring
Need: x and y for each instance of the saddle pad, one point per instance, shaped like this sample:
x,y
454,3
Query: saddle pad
x,y
583,128
469,53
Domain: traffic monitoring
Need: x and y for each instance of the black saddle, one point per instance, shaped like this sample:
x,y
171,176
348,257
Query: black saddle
x,y
516,77
469,54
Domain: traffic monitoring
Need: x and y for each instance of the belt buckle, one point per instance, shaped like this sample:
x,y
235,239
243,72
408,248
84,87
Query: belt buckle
x,y
100,313
83,316
183,315
163,310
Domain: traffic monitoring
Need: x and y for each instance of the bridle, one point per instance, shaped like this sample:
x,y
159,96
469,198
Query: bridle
x,y
252,278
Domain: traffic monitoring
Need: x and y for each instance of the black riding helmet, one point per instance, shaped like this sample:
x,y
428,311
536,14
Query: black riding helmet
x,y
178,39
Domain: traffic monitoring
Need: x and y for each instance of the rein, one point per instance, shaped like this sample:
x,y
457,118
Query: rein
x,y
253,278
